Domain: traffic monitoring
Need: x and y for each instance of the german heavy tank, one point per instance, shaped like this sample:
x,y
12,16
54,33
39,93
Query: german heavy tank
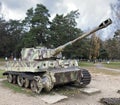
x,y
41,68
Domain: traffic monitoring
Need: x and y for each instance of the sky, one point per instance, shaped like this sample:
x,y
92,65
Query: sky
x,y
92,12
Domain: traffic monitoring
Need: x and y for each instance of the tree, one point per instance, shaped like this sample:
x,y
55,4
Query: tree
x,y
36,26
4,38
117,35
36,30
64,30
95,47
116,14
111,46
10,35
115,41
15,31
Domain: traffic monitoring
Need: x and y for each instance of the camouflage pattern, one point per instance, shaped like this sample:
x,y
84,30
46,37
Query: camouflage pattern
x,y
36,65
56,71
67,75
39,66
38,53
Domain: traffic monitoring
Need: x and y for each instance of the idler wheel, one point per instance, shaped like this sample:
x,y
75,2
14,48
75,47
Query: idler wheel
x,y
27,82
20,81
10,78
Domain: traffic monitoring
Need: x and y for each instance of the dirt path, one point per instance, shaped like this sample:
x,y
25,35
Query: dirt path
x,y
107,84
99,65
8,97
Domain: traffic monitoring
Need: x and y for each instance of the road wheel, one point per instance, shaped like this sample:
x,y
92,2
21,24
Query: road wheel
x,y
14,79
48,83
10,78
20,81
27,82
34,87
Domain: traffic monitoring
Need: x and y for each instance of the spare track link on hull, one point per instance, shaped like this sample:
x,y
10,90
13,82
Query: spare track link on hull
x,y
85,78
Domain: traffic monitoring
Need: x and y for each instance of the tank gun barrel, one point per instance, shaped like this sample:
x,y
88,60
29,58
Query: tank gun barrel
x,y
101,26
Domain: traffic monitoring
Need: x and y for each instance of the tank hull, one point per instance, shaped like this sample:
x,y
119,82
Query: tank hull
x,y
48,79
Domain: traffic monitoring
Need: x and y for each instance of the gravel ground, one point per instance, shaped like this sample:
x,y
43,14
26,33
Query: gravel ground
x,y
107,84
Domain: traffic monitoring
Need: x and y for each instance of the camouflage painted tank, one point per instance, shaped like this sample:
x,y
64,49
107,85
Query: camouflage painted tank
x,y
41,68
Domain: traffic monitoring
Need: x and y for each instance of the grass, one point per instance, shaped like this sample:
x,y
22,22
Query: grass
x,y
93,69
62,90
86,64
1,73
2,59
114,65
2,63
16,89
102,71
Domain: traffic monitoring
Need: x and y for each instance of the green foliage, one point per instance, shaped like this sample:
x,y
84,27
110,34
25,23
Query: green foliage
x,y
79,50
16,88
86,64
4,38
103,54
112,47
114,51
95,47
1,74
29,40
64,28
117,34
2,60
10,37
37,21
37,30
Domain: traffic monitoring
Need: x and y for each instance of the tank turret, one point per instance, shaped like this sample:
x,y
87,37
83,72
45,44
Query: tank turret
x,y
37,70
44,53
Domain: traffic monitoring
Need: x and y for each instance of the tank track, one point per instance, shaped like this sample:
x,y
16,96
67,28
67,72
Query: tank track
x,y
35,81
85,78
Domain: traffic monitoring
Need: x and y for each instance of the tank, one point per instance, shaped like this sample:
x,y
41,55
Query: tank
x,y
42,68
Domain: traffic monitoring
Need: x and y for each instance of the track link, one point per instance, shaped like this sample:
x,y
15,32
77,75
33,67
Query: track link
x,y
85,78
